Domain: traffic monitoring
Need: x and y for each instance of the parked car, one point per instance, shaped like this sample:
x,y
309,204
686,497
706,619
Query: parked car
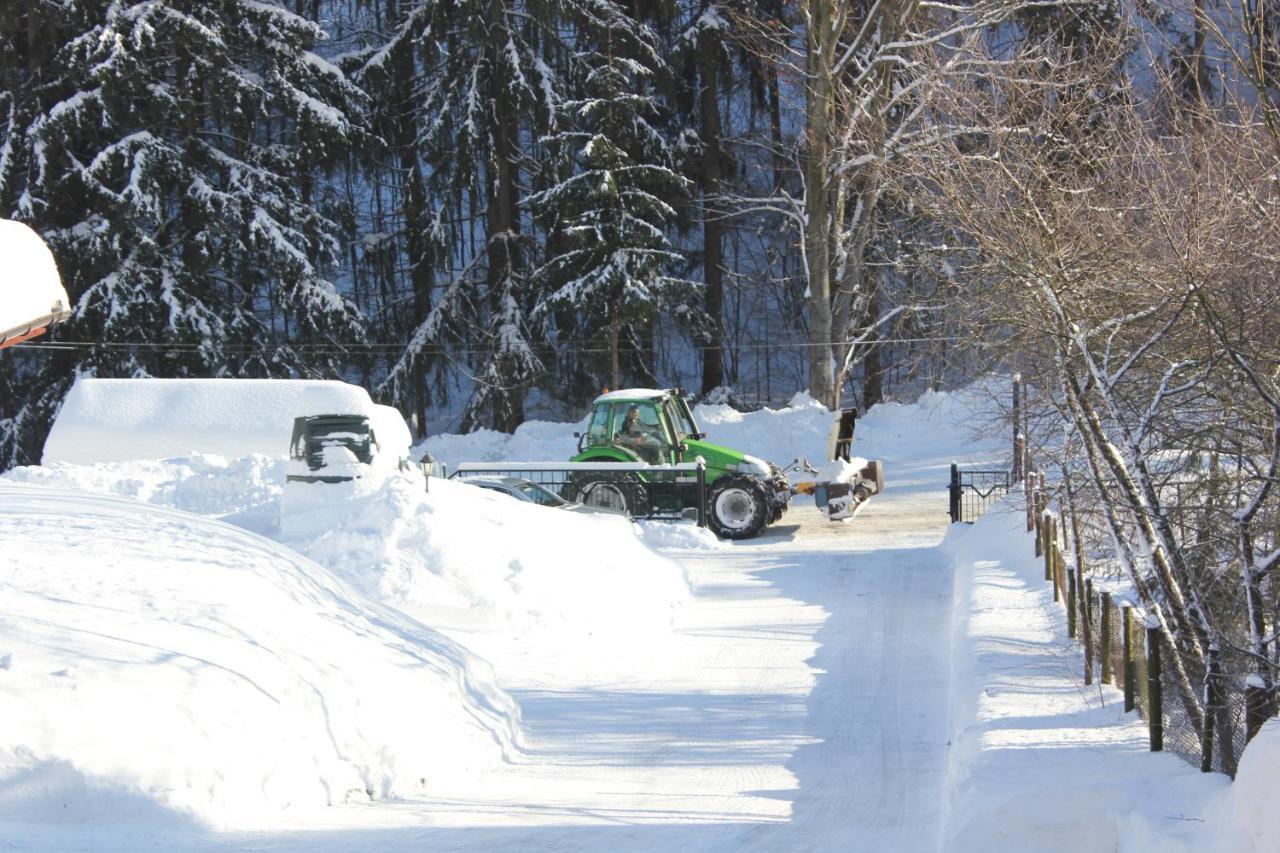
x,y
340,448
531,492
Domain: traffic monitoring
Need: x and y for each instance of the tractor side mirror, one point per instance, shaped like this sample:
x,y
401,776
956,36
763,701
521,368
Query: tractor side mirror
x,y
577,435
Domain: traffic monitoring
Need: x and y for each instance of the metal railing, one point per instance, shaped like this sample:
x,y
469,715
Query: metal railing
x,y
661,492
973,491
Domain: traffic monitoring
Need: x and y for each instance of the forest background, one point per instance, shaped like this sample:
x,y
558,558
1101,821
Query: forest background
x,y
485,208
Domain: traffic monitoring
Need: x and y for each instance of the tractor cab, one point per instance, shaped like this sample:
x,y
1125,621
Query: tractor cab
x,y
639,425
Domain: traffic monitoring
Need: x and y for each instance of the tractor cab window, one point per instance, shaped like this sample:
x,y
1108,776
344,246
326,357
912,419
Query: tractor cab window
x,y
677,424
636,426
598,429
684,417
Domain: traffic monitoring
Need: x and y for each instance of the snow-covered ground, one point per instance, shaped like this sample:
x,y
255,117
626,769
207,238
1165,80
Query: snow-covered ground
x,y
1039,760
872,685
152,660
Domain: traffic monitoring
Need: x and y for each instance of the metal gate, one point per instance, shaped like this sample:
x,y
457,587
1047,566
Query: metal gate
x,y
661,492
973,491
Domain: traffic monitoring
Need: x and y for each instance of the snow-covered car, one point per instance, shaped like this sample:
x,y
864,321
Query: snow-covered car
x,y
531,492
343,447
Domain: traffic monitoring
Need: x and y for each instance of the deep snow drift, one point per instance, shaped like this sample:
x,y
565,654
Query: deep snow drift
x,y
507,578
31,291
124,420
152,656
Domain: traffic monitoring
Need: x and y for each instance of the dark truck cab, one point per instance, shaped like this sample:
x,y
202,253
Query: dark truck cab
x,y
314,439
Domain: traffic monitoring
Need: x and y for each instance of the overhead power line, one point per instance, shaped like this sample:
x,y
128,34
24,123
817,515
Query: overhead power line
x,y
440,349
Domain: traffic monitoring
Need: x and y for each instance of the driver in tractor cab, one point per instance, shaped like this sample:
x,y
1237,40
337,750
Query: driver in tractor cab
x,y
643,437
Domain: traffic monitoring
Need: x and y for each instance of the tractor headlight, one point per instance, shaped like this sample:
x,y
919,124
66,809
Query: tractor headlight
x,y
754,466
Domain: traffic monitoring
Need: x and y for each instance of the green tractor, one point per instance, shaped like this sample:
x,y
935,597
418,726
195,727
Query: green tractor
x,y
655,427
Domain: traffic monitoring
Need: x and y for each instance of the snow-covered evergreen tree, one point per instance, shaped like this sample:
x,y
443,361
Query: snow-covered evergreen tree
x,y
609,254
171,158
485,80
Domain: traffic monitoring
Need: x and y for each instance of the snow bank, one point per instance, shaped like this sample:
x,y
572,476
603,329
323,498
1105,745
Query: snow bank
x,y
162,660
1247,817
800,430
680,536
243,491
31,293
533,441
468,560
532,579
1039,761
121,420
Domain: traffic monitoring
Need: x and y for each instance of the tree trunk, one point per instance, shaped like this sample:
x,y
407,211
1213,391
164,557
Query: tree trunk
x,y
713,228
872,365
615,371
413,201
502,221
820,40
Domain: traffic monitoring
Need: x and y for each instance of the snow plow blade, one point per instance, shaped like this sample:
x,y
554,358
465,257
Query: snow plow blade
x,y
841,499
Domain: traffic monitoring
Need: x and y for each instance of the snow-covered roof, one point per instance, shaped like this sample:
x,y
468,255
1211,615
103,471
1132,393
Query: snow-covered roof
x,y
31,293
632,394
121,420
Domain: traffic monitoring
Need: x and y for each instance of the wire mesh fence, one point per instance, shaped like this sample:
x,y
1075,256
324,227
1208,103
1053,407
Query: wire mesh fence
x,y
1197,711
1196,703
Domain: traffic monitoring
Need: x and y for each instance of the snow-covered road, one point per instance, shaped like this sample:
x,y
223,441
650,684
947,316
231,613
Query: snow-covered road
x,y
802,703
802,706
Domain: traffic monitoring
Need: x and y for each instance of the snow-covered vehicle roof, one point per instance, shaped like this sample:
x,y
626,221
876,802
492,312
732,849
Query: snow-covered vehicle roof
x,y
31,294
632,394
122,420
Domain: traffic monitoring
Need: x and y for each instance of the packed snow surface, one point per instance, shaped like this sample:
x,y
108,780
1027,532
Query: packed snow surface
x,y
30,288
155,661
124,420
1040,761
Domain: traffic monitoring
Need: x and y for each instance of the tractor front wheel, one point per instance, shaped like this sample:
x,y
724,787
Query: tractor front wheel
x,y
737,507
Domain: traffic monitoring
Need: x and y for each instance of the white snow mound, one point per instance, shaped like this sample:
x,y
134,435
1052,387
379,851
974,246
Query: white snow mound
x,y
1246,819
30,289
122,420
460,557
173,661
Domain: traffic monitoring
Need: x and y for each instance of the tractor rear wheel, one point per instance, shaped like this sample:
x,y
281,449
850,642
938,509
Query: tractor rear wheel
x,y
737,507
620,492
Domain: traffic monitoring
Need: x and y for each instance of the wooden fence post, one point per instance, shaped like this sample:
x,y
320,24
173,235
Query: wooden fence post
x,y
1071,602
1028,488
1054,557
1086,613
1050,539
1086,630
1018,441
1155,704
1259,705
1212,701
1104,643
1039,532
1126,622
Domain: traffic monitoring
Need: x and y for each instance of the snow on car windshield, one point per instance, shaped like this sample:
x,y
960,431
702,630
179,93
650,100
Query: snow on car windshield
x,y
539,495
